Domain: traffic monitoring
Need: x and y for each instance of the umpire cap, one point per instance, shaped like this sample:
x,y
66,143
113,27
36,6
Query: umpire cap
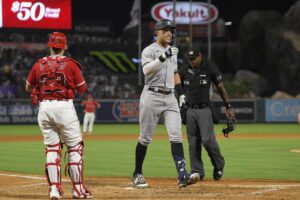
x,y
193,53
164,24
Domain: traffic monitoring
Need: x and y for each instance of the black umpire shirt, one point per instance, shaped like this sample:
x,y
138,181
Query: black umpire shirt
x,y
196,82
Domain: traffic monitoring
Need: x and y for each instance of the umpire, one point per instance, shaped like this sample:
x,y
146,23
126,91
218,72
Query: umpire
x,y
196,78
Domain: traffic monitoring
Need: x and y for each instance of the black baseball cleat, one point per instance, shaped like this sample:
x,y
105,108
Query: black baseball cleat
x,y
139,181
217,174
183,180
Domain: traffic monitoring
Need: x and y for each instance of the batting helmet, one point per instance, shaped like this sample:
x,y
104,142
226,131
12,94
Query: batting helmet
x,y
57,40
164,24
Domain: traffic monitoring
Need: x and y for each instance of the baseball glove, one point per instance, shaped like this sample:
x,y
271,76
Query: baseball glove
x,y
230,126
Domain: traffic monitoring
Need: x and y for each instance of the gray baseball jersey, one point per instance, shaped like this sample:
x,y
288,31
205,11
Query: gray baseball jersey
x,y
154,104
164,77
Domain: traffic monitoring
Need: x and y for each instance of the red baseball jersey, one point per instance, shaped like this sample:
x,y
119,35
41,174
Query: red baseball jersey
x,y
55,77
90,106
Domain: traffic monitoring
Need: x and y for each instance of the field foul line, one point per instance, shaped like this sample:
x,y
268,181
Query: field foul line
x,y
29,177
23,176
24,186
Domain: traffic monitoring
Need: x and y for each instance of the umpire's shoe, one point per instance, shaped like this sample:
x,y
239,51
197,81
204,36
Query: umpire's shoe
x,y
195,177
217,174
139,181
183,180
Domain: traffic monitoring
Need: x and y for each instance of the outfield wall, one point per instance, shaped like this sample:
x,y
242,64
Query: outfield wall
x,y
126,111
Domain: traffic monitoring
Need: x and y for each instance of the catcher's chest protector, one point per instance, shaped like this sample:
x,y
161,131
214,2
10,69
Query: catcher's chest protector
x,y
52,77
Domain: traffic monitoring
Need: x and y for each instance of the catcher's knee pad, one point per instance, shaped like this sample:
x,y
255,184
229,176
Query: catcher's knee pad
x,y
53,165
75,170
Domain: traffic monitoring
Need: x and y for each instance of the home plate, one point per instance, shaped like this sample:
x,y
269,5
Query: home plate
x,y
295,150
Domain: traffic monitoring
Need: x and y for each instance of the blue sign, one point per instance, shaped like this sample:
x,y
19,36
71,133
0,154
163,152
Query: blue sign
x,y
282,110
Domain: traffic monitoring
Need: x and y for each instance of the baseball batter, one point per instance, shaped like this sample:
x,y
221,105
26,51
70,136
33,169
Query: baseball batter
x,y
90,105
159,61
52,81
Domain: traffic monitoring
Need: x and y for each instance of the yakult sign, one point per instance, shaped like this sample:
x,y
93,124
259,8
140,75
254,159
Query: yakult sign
x,y
198,13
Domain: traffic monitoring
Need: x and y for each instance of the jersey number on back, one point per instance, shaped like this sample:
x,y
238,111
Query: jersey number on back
x,y
58,79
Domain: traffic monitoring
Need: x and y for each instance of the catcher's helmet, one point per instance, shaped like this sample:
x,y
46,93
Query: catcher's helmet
x,y
57,40
164,24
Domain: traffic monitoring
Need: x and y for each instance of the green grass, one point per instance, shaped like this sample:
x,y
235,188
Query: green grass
x,y
245,158
132,129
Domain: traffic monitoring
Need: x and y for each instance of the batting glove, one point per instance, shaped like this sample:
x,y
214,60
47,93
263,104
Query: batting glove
x,y
182,100
170,52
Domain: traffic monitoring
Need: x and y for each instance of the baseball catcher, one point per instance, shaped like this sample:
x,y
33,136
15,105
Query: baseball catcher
x,y
52,82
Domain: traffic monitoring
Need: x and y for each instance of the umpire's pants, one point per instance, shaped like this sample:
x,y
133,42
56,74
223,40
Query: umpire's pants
x,y
200,131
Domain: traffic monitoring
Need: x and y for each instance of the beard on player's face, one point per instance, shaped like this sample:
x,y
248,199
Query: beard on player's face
x,y
165,37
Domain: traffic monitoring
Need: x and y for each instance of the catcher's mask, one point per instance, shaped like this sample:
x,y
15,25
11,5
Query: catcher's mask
x,y
57,40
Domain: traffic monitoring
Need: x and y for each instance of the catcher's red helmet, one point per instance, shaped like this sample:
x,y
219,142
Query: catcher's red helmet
x,y
57,40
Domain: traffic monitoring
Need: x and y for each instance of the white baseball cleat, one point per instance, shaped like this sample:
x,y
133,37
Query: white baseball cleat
x,y
55,194
82,195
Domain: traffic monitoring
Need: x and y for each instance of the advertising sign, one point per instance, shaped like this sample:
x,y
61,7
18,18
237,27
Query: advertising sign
x,y
114,111
282,110
118,111
42,14
244,110
185,12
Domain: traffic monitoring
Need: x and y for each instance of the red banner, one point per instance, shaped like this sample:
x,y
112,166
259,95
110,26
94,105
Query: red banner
x,y
42,14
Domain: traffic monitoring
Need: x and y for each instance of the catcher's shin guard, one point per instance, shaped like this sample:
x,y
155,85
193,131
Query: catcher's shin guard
x,y
75,170
53,169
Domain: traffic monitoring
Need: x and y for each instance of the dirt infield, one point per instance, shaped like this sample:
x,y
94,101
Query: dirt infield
x,y
21,186
24,186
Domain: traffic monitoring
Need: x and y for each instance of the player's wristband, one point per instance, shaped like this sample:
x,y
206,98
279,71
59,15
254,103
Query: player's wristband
x,y
227,105
178,89
162,58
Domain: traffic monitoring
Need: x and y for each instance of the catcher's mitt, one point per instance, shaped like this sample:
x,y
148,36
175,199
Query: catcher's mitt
x,y
230,126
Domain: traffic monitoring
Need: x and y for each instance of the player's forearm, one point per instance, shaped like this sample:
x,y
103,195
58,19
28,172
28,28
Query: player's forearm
x,y
152,67
81,89
224,95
